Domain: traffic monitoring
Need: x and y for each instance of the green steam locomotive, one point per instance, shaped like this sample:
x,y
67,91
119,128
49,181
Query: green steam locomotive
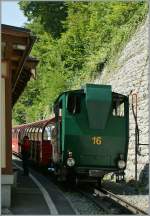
x,y
90,134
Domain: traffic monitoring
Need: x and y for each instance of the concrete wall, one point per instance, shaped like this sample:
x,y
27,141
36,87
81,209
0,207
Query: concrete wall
x,y
131,73
7,181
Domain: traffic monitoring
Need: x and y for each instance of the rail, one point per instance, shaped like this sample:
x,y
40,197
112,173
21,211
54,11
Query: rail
x,y
119,200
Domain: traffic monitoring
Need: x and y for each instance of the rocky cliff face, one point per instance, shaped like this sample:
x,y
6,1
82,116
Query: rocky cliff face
x,y
131,74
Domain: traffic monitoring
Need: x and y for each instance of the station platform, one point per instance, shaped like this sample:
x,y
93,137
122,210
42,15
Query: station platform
x,y
27,197
36,195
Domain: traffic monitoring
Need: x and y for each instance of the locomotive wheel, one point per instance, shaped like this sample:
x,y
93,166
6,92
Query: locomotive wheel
x,y
71,177
61,174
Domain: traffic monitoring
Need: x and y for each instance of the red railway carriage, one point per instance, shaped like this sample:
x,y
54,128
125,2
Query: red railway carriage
x,y
39,134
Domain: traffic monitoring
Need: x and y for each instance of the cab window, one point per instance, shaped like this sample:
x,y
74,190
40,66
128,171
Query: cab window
x,y
74,103
118,108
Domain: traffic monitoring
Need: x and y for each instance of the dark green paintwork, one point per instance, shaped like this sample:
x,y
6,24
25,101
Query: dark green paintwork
x,y
99,99
76,132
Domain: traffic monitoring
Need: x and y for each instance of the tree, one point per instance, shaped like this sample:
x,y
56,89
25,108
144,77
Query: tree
x,y
75,41
51,14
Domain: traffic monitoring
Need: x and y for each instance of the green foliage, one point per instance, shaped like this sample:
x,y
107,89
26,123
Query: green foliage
x,y
75,41
51,14
50,80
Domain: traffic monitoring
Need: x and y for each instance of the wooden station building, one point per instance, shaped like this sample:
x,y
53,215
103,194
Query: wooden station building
x,y
17,68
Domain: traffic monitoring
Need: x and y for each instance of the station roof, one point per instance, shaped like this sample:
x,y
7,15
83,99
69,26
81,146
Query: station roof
x,y
16,45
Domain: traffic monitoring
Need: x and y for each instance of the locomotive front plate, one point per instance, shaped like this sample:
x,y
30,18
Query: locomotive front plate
x,y
95,173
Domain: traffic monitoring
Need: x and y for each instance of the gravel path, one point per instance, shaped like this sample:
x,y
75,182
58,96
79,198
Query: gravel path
x,y
141,201
82,204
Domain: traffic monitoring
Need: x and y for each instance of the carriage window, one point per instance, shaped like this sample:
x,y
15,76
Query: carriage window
x,y
60,109
47,133
39,134
22,134
74,104
60,112
29,133
118,108
53,132
35,133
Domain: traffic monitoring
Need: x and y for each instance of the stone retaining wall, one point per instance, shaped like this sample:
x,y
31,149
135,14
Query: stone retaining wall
x,y
131,74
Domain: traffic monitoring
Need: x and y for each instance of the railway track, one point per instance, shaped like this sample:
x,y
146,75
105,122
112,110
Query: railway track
x,y
119,200
111,203
107,201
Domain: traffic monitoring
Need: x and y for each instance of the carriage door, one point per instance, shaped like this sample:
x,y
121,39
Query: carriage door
x,y
58,114
60,129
